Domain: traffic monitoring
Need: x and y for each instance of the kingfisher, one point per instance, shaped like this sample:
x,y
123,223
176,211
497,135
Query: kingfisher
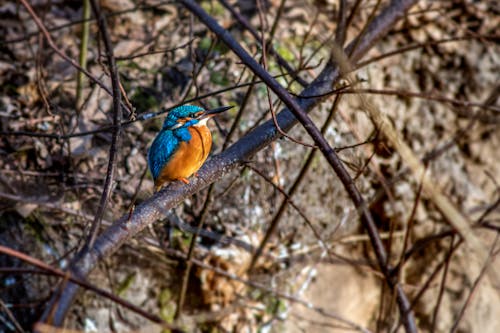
x,y
182,145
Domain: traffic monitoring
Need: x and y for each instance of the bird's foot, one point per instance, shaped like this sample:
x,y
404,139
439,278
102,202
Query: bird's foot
x,y
184,180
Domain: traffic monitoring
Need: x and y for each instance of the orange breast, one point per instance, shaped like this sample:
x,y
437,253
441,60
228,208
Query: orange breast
x,y
189,157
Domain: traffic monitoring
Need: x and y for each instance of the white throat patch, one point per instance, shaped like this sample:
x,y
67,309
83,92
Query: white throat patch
x,y
202,122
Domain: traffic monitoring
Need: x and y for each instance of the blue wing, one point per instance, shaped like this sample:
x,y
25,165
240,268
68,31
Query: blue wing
x,y
164,147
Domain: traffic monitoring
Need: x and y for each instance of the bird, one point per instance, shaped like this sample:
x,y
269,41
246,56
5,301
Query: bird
x,y
182,145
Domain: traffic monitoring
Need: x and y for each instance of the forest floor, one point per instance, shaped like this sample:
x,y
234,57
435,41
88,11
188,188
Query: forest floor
x,y
442,97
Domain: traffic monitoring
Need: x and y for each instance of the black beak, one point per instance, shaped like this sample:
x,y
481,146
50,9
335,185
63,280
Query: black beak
x,y
213,112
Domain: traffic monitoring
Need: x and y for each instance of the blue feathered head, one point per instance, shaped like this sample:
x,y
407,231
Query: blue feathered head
x,y
188,115
183,113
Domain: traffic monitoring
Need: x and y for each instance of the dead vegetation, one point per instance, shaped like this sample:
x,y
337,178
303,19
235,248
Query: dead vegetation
x,y
415,124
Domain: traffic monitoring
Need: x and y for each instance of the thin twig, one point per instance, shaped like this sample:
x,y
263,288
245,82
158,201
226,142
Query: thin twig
x,y
141,117
442,286
484,269
84,41
117,119
342,26
406,93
